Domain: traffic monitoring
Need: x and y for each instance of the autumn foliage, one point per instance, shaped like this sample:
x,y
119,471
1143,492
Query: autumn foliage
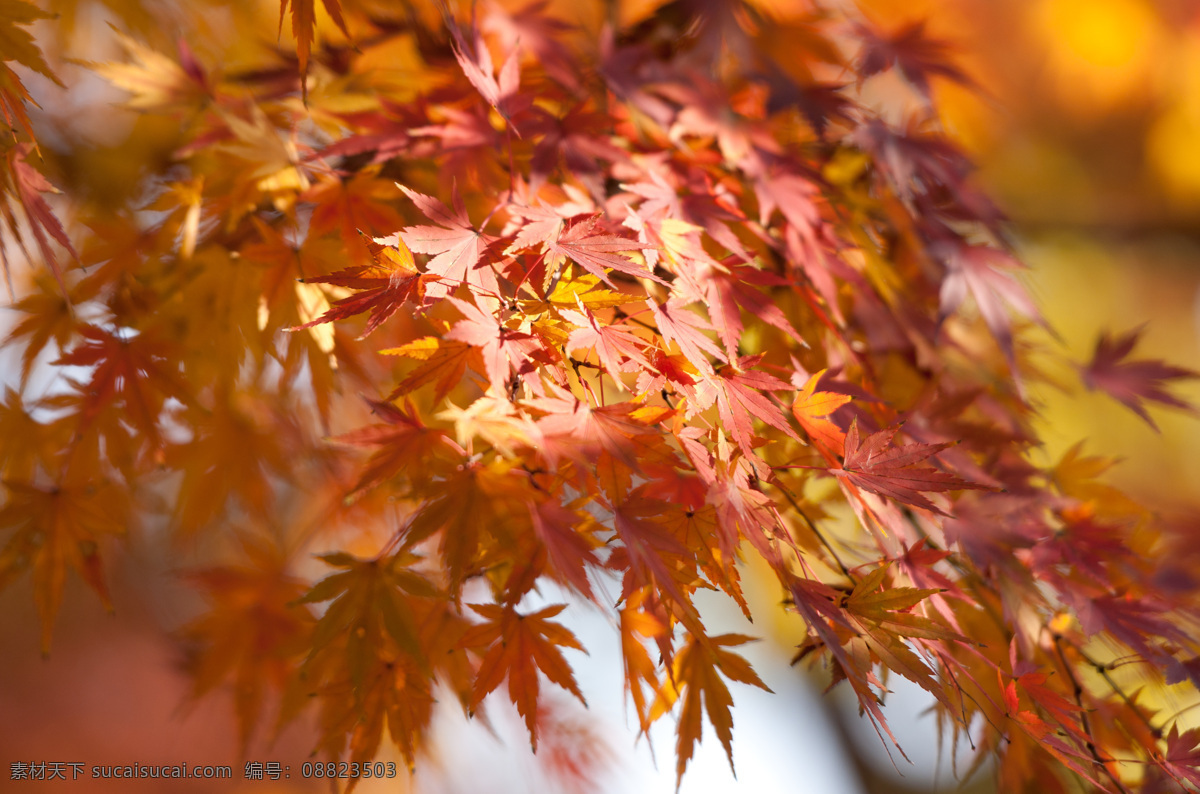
x,y
601,310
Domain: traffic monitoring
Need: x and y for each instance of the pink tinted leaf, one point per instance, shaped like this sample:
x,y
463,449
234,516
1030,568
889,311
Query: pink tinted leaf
x,y
1132,382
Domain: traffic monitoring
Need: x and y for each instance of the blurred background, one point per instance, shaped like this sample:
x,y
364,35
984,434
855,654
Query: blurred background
x,y
1084,119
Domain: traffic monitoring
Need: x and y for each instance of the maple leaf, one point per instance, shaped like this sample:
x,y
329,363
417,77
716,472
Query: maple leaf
x,y
496,421
917,56
698,670
594,252
638,624
518,646
1131,382
1141,623
372,595
791,194
17,44
699,528
820,103
443,360
55,529
611,343
286,302
385,132
684,328
456,244
726,291
1033,682
812,409
574,141
354,207
499,91
390,281
613,429
913,161
267,157
884,616
385,691
537,32
570,551
158,83
403,441
304,19
666,369
49,315
742,509
139,371
502,348
535,224
29,443
13,96
368,652
571,293
985,273
1182,759
473,510
894,471
255,631
1027,680
738,393
27,186
234,451
652,556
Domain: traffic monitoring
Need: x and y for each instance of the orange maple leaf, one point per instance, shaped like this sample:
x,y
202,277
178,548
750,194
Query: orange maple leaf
x,y
519,645
697,676
58,528
812,409
304,20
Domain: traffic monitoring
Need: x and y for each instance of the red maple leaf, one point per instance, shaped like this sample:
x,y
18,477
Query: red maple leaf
x,y
576,430
650,555
30,184
1182,759
916,55
987,274
403,444
386,132
579,140
594,252
914,160
728,289
502,347
387,284
610,342
457,246
569,551
793,195
684,328
538,33
738,393
499,91
539,222
137,371
894,471
1131,382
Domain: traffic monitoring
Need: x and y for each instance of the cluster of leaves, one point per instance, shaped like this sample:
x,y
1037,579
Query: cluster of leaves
x,y
627,309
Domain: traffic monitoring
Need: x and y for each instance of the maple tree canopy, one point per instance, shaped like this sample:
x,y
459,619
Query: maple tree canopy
x,y
480,300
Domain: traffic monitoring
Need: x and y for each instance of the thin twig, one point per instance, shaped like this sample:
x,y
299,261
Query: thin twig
x,y
1077,691
813,527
